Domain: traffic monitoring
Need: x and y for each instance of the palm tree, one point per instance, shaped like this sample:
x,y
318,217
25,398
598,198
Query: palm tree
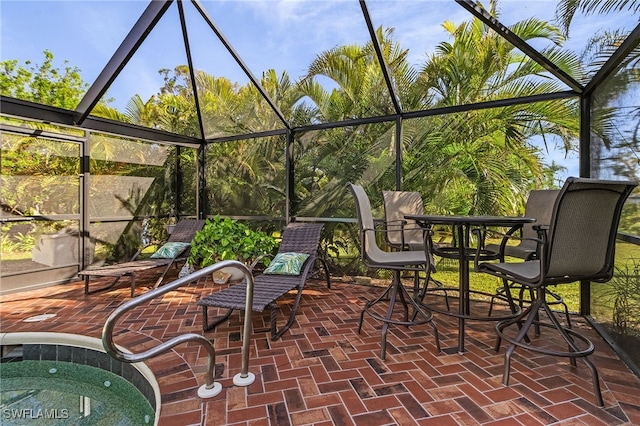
x,y
614,124
328,159
248,175
483,161
566,9
474,162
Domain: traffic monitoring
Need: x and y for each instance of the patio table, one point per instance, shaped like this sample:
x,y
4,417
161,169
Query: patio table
x,y
464,253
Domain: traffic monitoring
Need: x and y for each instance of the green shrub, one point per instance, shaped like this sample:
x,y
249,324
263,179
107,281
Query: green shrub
x,y
228,239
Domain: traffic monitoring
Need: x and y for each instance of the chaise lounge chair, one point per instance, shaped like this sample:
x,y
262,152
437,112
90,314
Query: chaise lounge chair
x,y
298,241
175,250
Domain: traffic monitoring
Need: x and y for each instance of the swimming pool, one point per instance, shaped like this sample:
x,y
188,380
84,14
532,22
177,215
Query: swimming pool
x,y
56,378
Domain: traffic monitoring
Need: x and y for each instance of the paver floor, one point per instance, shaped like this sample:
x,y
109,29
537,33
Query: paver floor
x,y
322,372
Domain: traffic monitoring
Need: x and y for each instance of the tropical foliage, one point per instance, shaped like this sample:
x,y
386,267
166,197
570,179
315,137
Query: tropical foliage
x,y
42,83
481,160
227,239
615,115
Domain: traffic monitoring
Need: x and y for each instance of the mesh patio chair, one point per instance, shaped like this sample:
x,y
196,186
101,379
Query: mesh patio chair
x,y
539,206
401,233
407,235
396,261
577,245
168,255
268,288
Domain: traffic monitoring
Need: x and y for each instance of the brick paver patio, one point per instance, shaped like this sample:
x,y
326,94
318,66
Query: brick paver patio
x,y
322,372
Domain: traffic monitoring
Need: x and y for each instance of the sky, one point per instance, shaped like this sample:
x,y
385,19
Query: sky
x,y
266,34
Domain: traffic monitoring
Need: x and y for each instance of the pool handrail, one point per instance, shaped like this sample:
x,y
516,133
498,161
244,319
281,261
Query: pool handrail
x,y
211,388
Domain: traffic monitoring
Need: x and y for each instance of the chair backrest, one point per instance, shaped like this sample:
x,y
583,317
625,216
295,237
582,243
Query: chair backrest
x,y
583,228
539,206
370,249
185,230
397,204
301,237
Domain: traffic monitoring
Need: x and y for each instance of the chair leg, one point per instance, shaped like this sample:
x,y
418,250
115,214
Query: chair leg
x,y
433,325
532,295
113,283
369,304
507,364
519,337
423,292
133,284
325,268
569,336
394,291
399,290
385,323
524,328
205,319
164,273
505,292
273,318
275,335
559,300
574,348
571,346
404,303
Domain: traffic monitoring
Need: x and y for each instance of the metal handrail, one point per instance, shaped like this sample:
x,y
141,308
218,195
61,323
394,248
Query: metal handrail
x,y
211,388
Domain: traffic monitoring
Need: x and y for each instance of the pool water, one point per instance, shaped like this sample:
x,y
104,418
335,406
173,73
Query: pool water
x,y
64,393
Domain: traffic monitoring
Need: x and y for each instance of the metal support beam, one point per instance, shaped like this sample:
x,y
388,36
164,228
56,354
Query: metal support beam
x,y
383,64
585,137
479,12
85,194
120,58
240,62
291,206
398,148
192,74
202,201
621,53
254,135
585,171
439,111
33,111
178,184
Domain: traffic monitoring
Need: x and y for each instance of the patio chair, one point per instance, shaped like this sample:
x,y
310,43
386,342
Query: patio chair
x,y
299,247
407,235
577,245
175,250
401,233
539,206
397,261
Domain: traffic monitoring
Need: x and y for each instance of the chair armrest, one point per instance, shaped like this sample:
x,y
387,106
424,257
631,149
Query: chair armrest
x,y
401,226
509,234
539,242
506,237
141,249
258,260
398,222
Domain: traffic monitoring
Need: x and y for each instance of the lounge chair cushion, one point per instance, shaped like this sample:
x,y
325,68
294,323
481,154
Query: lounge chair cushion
x,y
170,250
288,263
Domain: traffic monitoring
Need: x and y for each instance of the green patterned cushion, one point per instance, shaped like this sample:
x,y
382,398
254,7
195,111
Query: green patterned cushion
x,y
287,263
170,250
